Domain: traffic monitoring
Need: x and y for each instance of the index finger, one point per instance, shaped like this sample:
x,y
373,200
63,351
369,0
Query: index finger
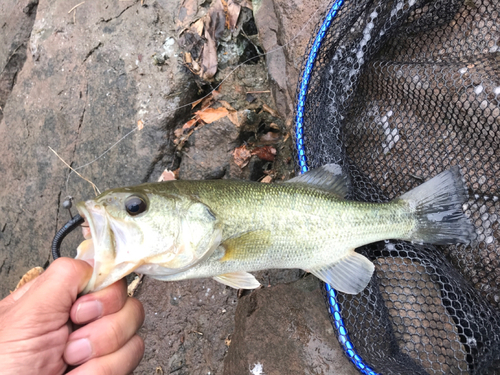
x,y
97,304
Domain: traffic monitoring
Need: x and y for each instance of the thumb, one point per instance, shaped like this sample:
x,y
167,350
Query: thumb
x,y
60,284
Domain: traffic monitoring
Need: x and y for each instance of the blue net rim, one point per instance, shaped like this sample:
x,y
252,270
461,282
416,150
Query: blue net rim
x,y
333,305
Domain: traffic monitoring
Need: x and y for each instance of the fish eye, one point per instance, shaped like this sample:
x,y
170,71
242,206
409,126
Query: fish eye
x,y
135,205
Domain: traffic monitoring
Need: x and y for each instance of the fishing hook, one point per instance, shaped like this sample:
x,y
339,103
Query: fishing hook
x,y
63,232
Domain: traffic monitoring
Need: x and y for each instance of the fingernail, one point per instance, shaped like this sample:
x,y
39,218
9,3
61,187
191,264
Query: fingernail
x,y
77,351
87,311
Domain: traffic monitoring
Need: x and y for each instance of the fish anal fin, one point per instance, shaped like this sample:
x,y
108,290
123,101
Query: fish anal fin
x,y
350,275
329,177
238,280
247,245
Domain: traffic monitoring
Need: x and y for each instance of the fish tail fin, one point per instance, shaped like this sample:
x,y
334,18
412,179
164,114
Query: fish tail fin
x,y
438,209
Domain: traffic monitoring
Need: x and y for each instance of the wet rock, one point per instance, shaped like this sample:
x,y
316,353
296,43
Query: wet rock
x,y
187,323
290,24
16,22
285,330
87,81
209,151
90,76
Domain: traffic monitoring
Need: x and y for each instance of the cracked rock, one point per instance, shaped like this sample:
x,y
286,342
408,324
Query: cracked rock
x,y
85,85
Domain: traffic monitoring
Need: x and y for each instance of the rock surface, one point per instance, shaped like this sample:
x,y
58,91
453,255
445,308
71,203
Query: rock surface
x,y
16,20
285,330
81,78
87,81
285,28
186,327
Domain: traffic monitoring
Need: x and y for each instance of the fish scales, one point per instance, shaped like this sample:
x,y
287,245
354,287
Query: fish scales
x,y
225,229
307,226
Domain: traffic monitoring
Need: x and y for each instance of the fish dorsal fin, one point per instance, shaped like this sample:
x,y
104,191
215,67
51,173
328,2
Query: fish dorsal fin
x,y
238,280
329,177
350,274
248,245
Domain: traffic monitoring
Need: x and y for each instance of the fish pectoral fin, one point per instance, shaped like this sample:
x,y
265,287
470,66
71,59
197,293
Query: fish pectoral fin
x,y
247,245
238,280
350,274
329,177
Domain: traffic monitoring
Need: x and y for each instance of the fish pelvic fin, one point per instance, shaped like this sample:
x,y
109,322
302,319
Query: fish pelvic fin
x,y
329,177
238,280
437,206
351,274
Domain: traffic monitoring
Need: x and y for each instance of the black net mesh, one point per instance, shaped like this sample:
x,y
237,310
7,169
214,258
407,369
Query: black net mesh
x,y
400,91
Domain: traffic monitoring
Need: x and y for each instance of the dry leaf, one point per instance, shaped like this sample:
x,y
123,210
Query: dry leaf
x,y
178,132
267,180
246,4
167,175
189,124
235,118
195,67
131,289
242,156
214,25
28,276
140,124
207,101
198,27
227,105
274,126
209,57
268,109
227,342
187,12
266,153
180,141
233,12
196,102
210,115
188,58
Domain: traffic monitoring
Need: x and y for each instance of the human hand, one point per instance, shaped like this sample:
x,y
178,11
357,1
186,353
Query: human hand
x,y
36,332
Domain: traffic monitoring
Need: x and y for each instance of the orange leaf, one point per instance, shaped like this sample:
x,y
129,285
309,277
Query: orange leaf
x,y
266,153
189,124
196,102
167,176
210,115
267,179
28,276
140,124
241,156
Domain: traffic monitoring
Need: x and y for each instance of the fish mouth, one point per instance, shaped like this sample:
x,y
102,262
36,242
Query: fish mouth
x,y
99,248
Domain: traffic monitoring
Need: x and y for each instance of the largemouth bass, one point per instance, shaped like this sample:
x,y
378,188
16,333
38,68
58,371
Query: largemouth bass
x,y
224,229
